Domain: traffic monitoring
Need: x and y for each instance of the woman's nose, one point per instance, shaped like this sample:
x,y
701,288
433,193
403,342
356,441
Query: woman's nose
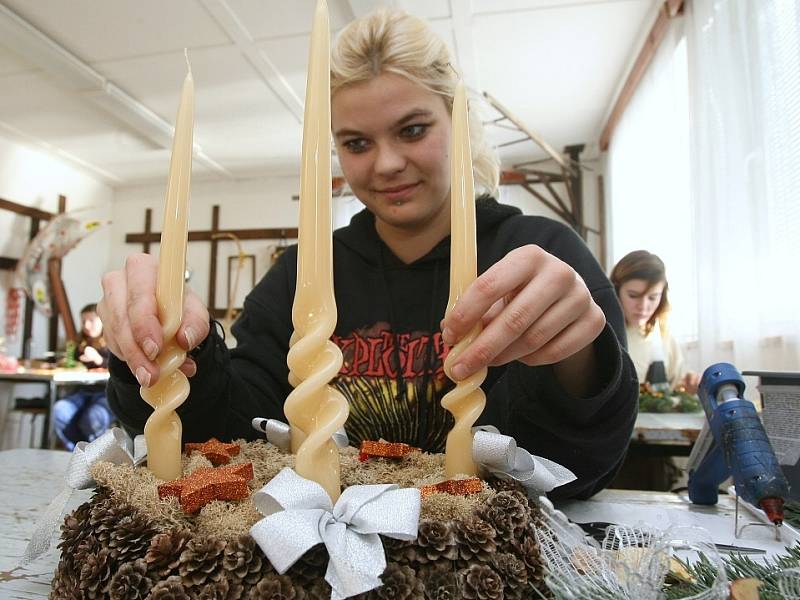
x,y
389,160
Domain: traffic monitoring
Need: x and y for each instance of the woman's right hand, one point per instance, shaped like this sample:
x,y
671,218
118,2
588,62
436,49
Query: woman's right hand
x,y
129,312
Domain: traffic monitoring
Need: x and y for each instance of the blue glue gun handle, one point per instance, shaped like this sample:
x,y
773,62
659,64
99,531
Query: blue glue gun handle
x,y
704,481
749,456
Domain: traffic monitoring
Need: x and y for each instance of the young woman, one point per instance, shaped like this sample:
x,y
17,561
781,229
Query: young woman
x,y
559,379
640,280
85,415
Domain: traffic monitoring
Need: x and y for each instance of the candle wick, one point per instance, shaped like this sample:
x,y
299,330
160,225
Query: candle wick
x,y
186,56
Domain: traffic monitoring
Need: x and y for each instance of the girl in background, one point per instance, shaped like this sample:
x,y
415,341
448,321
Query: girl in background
x,y
640,280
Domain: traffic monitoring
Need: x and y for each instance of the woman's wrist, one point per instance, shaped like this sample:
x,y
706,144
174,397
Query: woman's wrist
x,y
577,374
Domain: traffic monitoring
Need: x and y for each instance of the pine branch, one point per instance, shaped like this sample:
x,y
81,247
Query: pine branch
x,y
737,566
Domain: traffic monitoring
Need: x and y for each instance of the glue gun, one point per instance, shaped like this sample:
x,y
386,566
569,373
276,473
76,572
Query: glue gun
x,y
737,446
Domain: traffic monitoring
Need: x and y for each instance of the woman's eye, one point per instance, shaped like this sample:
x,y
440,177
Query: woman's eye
x,y
411,132
356,145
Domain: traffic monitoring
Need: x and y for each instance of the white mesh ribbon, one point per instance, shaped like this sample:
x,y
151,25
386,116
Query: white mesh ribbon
x,y
298,515
499,455
630,564
279,433
114,446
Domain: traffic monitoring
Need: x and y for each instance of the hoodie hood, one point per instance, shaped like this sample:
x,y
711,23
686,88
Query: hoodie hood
x,y
362,238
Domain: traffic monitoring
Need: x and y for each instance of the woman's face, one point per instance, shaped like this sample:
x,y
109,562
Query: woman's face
x,y
640,300
393,141
92,325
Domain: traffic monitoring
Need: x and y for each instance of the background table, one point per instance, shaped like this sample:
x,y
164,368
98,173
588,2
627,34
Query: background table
x,y
53,380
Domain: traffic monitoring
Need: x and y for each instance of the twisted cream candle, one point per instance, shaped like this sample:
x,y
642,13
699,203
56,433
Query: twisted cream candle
x,y
163,429
467,400
314,409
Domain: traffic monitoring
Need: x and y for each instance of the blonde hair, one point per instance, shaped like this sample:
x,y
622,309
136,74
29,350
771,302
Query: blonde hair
x,y
392,41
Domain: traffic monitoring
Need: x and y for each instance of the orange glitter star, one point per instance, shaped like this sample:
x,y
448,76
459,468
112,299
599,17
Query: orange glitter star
x,y
371,448
207,484
454,487
219,453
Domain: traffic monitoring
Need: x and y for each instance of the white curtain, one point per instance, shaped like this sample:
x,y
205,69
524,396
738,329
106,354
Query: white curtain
x,y
648,178
744,91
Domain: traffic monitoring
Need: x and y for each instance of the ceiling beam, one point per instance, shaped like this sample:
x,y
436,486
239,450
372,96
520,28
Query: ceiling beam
x,y
230,23
668,10
70,72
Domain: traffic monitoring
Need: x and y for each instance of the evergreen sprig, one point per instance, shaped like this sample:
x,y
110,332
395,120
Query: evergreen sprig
x,y
737,566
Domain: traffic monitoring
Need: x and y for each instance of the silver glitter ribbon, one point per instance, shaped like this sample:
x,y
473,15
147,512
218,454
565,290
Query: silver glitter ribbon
x,y
298,515
279,433
114,446
499,454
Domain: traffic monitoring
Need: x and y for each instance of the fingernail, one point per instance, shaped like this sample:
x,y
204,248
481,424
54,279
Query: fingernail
x,y
459,372
150,348
188,333
447,335
143,377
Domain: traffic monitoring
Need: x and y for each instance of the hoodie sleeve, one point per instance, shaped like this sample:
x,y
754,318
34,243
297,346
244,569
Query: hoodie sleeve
x,y
590,435
230,387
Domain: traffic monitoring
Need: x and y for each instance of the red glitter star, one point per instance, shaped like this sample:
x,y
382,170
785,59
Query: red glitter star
x,y
219,453
207,484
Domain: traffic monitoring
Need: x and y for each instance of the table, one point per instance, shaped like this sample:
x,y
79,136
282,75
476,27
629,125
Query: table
x,y
667,433
54,380
29,480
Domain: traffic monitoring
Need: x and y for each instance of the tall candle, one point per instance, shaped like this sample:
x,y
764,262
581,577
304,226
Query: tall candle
x,y
163,429
466,401
314,409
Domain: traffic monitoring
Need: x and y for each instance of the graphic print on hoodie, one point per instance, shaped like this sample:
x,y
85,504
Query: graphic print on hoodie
x,y
404,404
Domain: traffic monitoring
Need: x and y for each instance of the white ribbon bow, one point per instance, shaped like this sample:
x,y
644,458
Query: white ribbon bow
x,y
298,515
114,446
279,433
499,455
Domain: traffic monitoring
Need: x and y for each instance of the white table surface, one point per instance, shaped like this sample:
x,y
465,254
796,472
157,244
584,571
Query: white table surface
x,y
29,480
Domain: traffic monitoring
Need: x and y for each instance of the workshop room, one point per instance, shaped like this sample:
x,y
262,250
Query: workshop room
x,y
400,299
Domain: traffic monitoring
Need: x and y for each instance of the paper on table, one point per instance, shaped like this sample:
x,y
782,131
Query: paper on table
x,y
718,521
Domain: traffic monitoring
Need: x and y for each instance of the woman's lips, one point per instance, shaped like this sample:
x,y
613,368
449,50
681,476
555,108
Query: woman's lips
x,y
398,192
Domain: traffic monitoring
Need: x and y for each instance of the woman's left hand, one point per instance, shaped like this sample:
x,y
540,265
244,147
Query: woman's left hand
x,y
534,308
90,354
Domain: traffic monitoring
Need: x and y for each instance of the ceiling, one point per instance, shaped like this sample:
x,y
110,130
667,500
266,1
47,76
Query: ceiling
x,y
97,81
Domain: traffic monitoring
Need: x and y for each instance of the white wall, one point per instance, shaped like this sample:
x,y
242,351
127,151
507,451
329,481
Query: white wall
x,y
244,204
35,178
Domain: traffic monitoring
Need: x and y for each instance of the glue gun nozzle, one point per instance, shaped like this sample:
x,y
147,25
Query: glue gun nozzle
x,y
773,507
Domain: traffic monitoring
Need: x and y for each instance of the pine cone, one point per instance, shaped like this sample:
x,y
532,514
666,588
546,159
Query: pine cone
x,y
318,590
475,538
65,583
96,573
103,518
441,582
400,582
480,582
130,582
131,537
170,588
310,567
507,513
164,552
276,587
74,530
513,573
215,590
436,540
396,550
242,560
527,548
201,561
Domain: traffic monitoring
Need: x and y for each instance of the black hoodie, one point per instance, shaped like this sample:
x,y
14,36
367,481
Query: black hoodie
x,y
388,315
